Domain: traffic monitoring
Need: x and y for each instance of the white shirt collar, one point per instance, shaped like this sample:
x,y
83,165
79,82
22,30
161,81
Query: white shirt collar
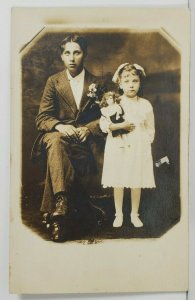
x,y
79,77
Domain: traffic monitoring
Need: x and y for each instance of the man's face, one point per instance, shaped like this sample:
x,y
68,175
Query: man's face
x,y
73,57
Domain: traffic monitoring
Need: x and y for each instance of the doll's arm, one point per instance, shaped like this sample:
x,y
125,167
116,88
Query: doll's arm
x,y
105,120
105,123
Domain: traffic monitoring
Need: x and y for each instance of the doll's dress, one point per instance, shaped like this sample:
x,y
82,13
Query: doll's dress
x,y
114,114
132,166
118,119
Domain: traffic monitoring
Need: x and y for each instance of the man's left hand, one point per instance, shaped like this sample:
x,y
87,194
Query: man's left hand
x,y
83,133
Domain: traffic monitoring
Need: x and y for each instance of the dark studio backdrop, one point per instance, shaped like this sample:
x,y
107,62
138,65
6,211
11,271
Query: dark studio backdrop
x,y
160,207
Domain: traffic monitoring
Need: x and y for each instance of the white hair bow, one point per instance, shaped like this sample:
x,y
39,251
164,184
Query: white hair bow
x,y
138,67
115,78
116,74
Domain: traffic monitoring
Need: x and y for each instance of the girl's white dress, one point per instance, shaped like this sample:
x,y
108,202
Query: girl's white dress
x,y
130,166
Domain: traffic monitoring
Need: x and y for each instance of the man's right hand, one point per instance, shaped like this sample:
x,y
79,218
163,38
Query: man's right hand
x,y
68,130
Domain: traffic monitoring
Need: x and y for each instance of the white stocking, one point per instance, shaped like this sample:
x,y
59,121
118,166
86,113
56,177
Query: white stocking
x,y
118,200
135,200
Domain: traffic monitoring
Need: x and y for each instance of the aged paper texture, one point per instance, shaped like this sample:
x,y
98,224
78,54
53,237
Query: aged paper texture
x,y
99,258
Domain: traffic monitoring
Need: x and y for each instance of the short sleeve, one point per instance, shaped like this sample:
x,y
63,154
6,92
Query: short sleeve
x,y
148,107
149,121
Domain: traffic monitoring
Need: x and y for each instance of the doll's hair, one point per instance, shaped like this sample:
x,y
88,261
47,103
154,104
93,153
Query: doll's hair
x,y
134,71
103,101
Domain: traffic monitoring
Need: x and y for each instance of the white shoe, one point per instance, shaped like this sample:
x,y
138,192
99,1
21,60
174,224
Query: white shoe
x,y
118,221
135,220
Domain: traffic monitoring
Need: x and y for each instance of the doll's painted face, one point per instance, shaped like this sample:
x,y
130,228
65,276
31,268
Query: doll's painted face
x,y
130,83
110,100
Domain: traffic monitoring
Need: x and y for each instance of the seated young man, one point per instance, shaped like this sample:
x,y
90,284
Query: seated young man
x,y
68,122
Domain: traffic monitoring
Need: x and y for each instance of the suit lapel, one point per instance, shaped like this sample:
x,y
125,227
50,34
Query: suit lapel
x,y
84,99
64,88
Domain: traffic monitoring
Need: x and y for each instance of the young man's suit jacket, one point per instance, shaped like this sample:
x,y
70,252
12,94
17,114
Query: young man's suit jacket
x,y
58,106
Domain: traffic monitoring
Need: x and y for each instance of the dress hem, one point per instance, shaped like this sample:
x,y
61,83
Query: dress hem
x,y
129,187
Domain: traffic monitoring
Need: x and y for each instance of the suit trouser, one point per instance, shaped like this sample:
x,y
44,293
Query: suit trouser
x,y
60,174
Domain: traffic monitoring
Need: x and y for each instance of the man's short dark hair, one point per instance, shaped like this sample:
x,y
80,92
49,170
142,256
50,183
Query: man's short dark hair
x,y
76,38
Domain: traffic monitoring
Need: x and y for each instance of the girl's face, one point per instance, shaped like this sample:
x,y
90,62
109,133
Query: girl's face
x,y
110,100
129,83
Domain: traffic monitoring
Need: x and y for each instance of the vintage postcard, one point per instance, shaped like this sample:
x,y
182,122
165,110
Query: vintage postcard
x,y
99,150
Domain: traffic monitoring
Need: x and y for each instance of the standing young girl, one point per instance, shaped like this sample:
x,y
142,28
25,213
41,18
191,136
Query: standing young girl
x,y
129,167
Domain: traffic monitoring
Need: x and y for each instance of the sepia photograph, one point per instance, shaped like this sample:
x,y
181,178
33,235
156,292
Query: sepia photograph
x,y
102,135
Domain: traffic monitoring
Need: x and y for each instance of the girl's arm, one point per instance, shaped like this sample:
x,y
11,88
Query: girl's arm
x,y
124,125
106,125
149,124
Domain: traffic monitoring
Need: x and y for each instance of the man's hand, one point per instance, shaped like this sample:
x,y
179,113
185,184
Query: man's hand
x,y
82,133
69,131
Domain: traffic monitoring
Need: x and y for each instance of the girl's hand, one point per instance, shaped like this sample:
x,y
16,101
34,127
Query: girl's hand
x,y
127,126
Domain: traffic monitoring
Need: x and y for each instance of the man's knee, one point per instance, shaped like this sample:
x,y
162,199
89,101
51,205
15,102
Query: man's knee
x,y
55,140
